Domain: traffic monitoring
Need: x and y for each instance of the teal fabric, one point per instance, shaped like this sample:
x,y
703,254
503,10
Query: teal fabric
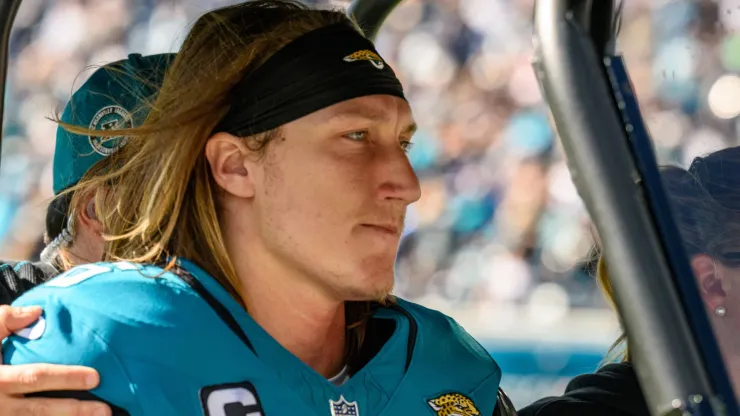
x,y
112,98
162,350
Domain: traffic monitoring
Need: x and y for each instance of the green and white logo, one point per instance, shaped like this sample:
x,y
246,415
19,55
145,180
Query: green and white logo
x,y
112,117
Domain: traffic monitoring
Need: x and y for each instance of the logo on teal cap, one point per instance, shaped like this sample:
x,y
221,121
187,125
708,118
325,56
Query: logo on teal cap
x,y
112,117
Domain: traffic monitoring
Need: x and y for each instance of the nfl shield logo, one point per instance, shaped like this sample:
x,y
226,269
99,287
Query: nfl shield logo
x,y
343,407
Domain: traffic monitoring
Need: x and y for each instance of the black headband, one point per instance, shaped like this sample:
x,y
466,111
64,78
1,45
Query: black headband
x,y
321,68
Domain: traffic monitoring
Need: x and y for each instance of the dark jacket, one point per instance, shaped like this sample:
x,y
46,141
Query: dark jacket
x,y
612,391
17,278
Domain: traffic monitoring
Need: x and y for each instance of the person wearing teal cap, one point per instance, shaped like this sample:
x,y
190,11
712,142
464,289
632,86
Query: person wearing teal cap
x,y
113,98
110,99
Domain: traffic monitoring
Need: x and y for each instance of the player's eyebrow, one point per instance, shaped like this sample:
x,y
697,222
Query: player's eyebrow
x,y
363,111
411,129
369,113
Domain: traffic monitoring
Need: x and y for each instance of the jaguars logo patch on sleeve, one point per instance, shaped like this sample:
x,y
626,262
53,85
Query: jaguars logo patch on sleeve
x,y
453,404
366,55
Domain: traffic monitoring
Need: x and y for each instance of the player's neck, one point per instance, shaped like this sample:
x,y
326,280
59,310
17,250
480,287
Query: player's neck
x,y
87,247
75,256
303,320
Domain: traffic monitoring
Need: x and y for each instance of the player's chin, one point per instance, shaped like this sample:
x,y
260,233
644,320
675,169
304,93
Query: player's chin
x,y
372,281
369,293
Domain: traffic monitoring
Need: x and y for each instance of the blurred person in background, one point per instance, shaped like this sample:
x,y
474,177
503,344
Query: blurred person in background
x,y
705,200
270,177
110,99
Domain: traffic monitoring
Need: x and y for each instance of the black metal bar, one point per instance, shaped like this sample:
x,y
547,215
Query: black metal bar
x,y
8,10
572,75
370,14
601,25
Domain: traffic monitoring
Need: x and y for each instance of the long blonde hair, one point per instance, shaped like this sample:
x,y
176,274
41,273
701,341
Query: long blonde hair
x,y
619,350
163,201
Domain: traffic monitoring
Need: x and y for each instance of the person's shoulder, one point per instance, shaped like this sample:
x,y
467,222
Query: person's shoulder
x,y
84,282
112,296
613,390
138,325
93,315
440,337
438,325
426,315
443,353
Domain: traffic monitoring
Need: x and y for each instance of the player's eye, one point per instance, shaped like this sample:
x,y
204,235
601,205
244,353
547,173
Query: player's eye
x,y
357,136
406,145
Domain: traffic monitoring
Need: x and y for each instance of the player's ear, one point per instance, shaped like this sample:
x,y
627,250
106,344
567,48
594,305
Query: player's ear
x,y
91,210
230,162
88,217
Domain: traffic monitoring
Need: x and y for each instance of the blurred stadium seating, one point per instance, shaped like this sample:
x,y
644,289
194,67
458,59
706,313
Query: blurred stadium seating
x,y
500,239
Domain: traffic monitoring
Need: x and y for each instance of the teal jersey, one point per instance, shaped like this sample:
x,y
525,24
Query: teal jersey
x,y
176,343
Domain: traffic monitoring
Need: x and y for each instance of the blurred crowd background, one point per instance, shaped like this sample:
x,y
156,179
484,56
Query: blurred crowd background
x,y
500,239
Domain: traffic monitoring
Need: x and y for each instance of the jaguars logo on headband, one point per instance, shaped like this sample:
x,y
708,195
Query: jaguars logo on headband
x,y
453,404
112,117
366,55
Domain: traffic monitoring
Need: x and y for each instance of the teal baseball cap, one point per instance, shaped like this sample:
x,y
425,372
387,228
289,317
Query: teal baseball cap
x,y
111,99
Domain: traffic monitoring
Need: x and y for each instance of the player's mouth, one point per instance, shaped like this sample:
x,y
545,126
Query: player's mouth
x,y
391,230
